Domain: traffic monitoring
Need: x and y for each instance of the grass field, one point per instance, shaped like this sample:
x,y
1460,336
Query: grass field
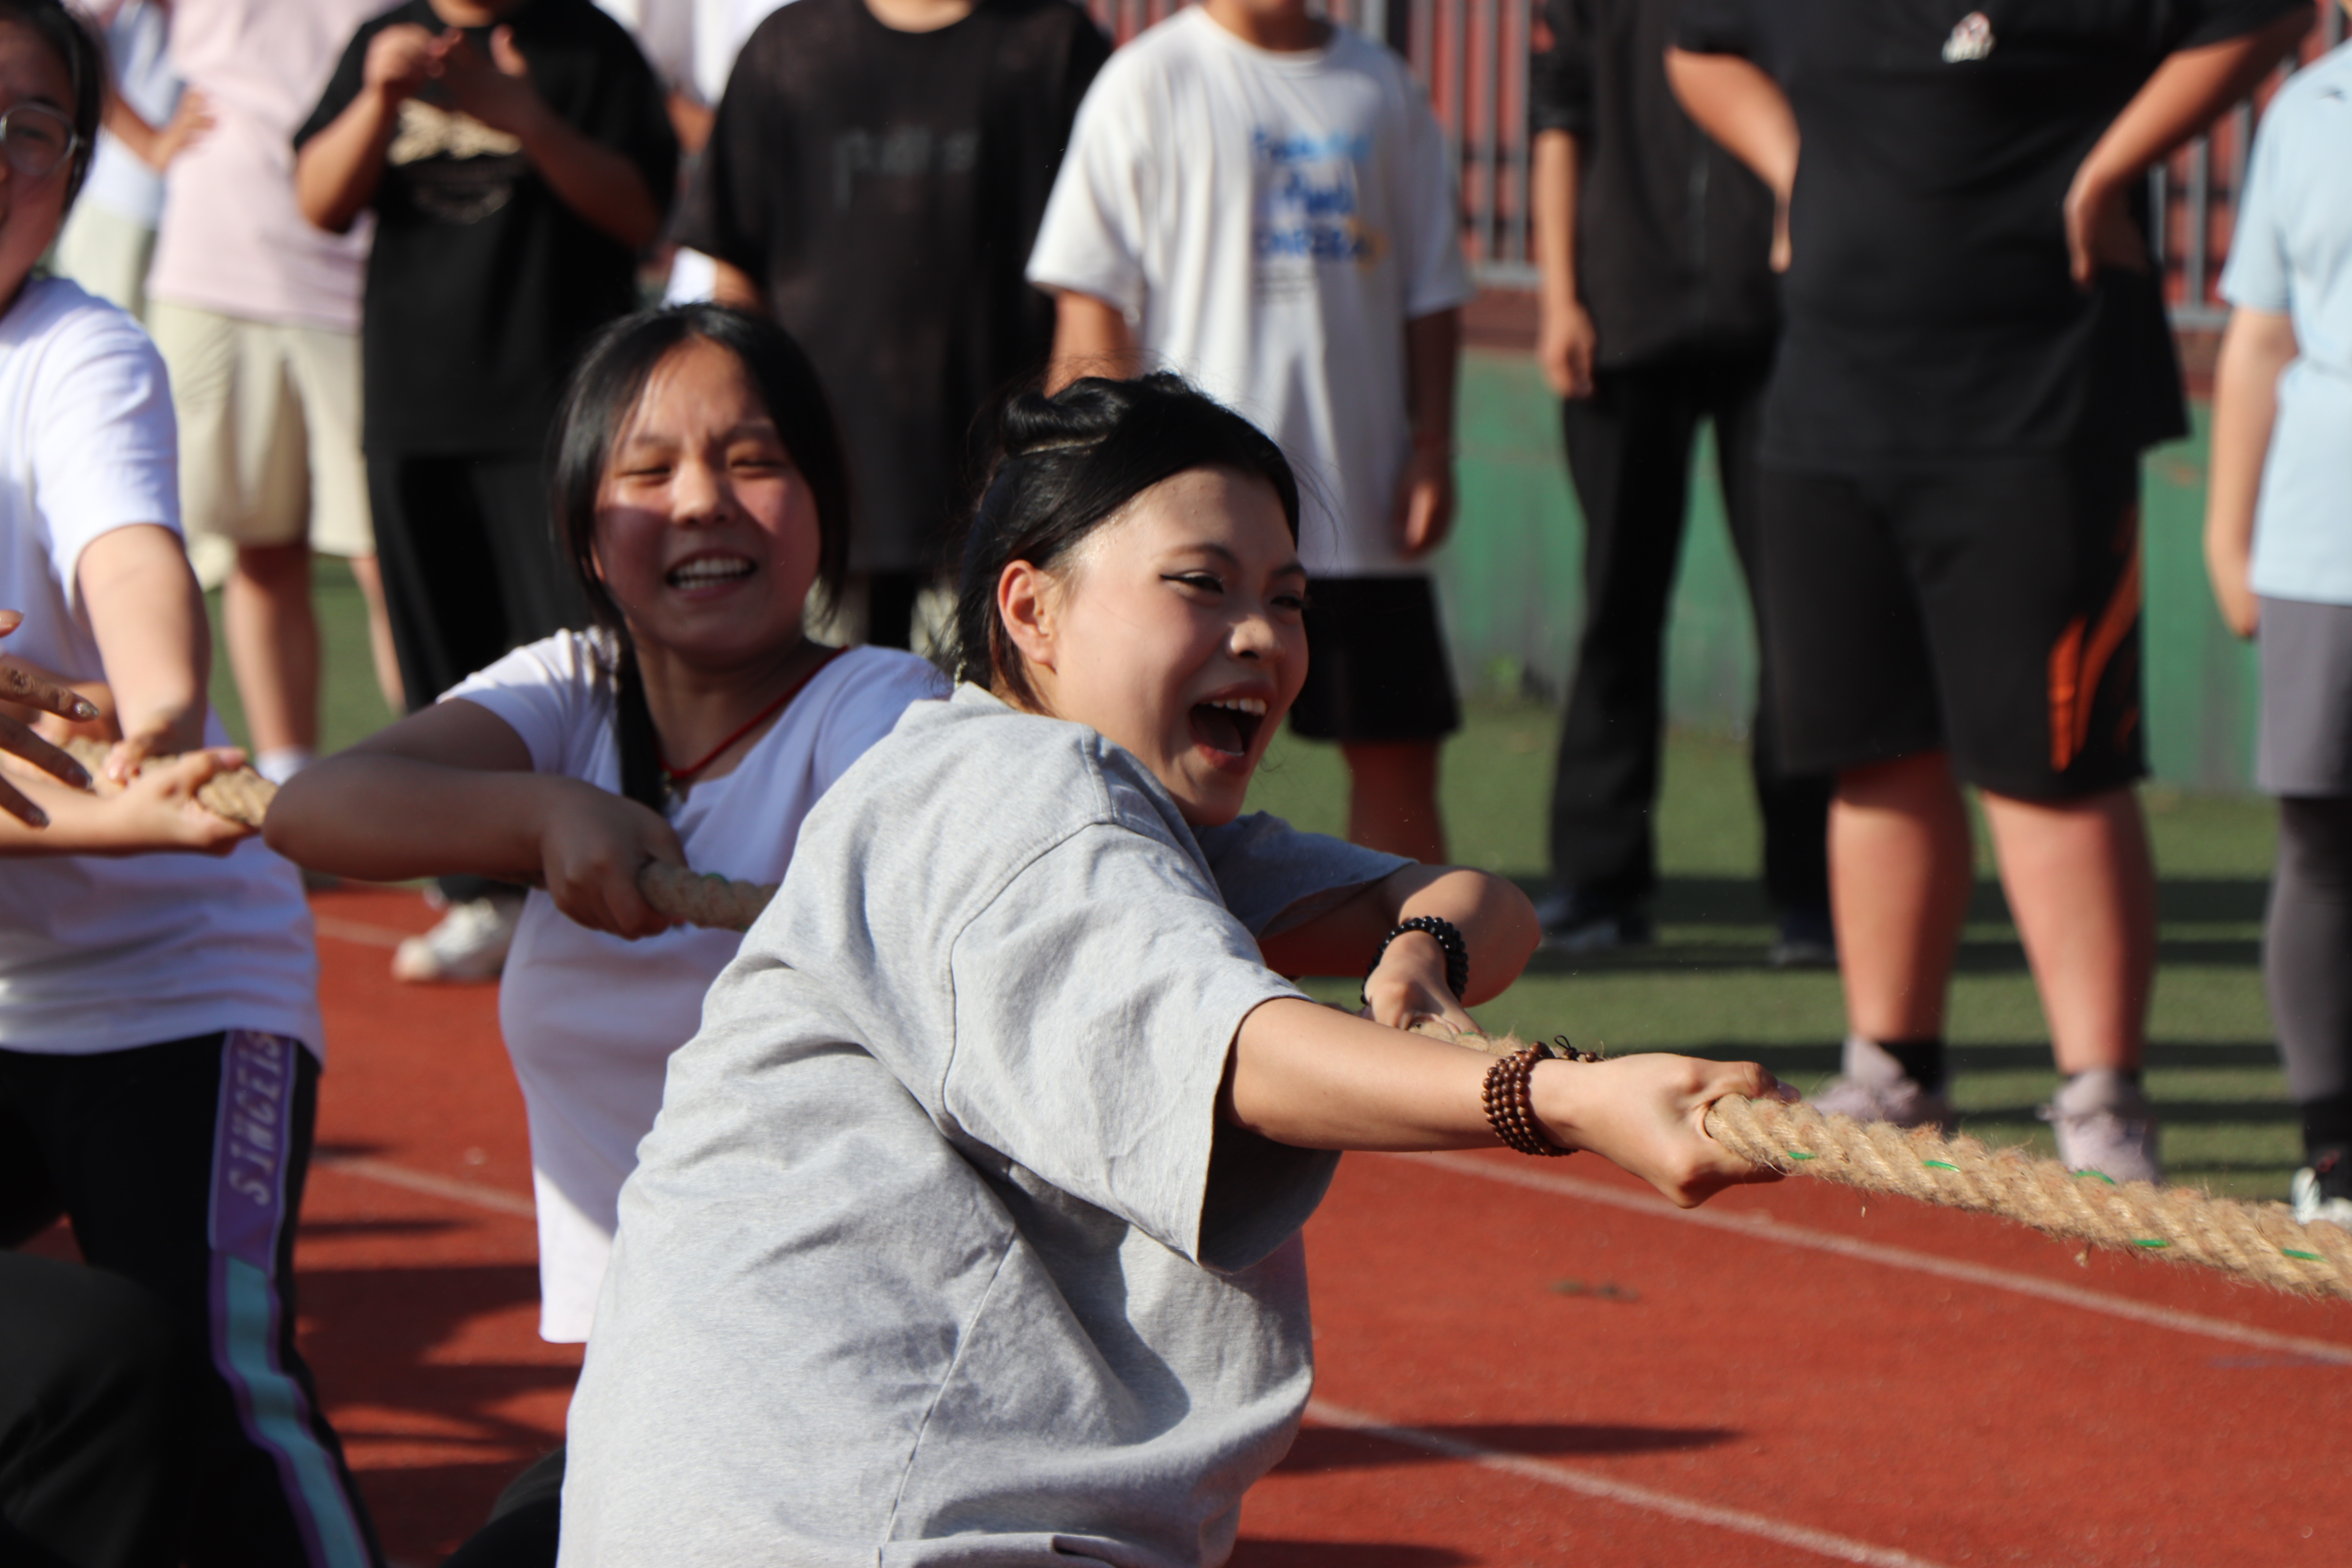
x,y
1705,988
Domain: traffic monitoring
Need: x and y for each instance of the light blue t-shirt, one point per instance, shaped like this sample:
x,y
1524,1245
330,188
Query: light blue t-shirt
x,y
2293,255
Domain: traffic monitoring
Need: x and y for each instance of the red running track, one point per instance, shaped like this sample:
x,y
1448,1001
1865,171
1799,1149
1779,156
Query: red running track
x,y
1519,1363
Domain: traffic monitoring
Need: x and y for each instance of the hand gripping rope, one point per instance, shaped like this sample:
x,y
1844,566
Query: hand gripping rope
x,y
2257,1241
681,895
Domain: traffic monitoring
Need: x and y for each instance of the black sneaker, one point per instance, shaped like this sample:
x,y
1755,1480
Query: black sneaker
x,y
1805,940
1575,922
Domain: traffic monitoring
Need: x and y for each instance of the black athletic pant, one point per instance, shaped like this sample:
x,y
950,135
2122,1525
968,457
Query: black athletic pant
x,y
1629,452
2307,964
470,570
94,1386
525,1523
181,1166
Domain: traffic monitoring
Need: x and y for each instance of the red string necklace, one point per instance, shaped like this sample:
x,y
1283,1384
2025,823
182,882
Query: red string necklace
x,y
686,776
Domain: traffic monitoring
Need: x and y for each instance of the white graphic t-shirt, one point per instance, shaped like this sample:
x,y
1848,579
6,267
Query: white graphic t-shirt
x,y
1270,223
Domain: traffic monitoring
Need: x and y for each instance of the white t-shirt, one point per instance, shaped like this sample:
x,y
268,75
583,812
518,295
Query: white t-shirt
x,y
591,1020
2291,255
1270,223
101,954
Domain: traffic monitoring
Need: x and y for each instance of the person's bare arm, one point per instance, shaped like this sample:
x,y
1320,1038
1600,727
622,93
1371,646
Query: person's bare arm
x,y
148,616
2182,97
28,692
1315,1078
1565,340
1498,927
731,285
599,183
337,171
1737,103
157,145
1091,337
450,791
1425,503
2255,348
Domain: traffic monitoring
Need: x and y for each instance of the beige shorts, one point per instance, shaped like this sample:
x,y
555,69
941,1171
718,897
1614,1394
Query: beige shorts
x,y
270,429
107,254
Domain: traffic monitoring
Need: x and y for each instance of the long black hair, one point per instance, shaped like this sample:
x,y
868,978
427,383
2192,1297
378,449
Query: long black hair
x,y
604,387
1066,466
84,58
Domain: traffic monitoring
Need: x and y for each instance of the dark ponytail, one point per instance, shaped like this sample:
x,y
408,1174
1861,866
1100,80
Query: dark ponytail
x,y
1066,465
78,48
603,389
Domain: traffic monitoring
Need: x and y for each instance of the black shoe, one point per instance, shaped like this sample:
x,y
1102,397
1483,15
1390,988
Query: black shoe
x,y
1574,922
1805,940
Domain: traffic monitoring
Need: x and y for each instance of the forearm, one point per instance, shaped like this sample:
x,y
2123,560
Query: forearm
x,y
147,614
1743,108
80,823
1432,356
2255,348
336,174
131,128
1091,337
1315,1077
389,819
1556,192
2183,96
595,182
1498,927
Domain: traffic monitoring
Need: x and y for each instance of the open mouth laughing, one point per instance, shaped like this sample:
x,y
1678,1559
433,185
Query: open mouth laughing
x,y
709,571
1227,726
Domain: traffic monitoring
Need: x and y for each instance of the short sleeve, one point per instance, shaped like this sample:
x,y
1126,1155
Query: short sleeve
x,y
350,75
724,212
867,708
1717,28
547,692
2258,275
105,449
2204,22
1092,239
1275,878
1560,69
1435,278
1097,998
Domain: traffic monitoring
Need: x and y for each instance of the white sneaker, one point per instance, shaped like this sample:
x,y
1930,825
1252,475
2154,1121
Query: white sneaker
x,y
2105,1126
2311,1208
1874,1088
470,943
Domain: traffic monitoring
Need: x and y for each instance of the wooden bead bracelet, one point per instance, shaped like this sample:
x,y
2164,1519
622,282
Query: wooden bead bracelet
x,y
1510,1107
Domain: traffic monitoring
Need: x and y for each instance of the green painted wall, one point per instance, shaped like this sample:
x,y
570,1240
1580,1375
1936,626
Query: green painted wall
x,y
1511,581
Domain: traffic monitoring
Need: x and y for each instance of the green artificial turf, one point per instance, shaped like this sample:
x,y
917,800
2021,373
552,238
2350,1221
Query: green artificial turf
x,y
1705,988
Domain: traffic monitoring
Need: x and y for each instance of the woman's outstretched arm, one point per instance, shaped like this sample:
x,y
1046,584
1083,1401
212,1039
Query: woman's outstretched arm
x,y
450,791
1318,1078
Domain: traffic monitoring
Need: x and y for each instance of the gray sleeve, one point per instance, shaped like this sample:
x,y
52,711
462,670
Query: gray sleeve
x,y
1097,999
1275,878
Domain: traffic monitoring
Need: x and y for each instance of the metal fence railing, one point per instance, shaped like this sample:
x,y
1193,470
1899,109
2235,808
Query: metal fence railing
x,y
1473,56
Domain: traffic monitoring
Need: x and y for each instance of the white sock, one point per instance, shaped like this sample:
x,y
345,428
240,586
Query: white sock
x,y
279,765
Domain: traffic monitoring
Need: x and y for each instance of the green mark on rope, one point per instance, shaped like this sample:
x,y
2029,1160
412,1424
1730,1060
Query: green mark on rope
x,y
1799,1154
1939,1165
2100,1176
2150,1241
2307,1257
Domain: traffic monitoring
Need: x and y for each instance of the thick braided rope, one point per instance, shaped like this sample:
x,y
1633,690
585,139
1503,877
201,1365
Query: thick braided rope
x,y
2257,1241
693,898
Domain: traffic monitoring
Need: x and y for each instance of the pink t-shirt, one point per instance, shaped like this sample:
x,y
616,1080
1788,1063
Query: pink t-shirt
x,y
232,239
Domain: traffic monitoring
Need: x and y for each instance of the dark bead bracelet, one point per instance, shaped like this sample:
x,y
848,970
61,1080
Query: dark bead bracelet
x,y
1510,1103
1448,936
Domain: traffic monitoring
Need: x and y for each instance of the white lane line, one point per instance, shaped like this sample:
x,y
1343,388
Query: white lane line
x,y
1763,1228
358,932
1844,1549
391,1175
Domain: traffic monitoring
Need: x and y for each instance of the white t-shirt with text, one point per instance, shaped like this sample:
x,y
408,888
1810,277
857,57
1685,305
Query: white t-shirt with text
x,y
1269,222
591,1020
104,952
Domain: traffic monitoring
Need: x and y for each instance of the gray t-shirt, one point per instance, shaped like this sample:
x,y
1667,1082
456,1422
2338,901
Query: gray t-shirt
x,y
938,1253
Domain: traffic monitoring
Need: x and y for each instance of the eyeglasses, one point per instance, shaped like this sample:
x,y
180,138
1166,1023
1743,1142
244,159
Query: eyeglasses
x,y
36,138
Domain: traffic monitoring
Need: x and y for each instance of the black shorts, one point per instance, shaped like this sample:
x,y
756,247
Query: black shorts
x,y
1993,613
1376,665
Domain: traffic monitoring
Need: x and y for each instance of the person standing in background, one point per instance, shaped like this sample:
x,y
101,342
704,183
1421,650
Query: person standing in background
x,y
1659,310
519,158
257,314
875,177
108,243
1258,199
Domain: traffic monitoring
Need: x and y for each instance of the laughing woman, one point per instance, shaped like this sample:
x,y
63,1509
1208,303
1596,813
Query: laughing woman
x,y
970,1230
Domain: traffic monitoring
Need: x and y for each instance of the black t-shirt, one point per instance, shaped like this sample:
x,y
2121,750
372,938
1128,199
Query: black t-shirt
x,y
1931,321
1674,235
482,284
884,189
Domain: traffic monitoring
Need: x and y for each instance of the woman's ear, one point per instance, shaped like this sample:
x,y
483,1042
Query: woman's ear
x,y
1025,602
